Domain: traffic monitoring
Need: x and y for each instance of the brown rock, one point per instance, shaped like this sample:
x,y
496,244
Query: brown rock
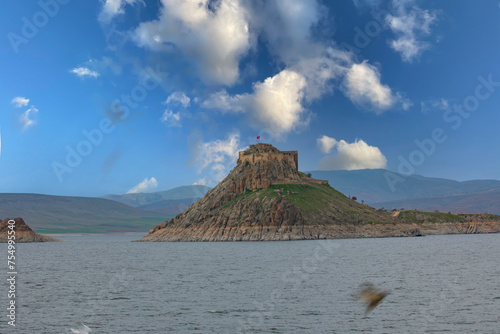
x,y
23,233
243,207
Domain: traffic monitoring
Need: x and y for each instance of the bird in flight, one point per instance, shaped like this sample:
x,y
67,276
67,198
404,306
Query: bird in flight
x,y
371,296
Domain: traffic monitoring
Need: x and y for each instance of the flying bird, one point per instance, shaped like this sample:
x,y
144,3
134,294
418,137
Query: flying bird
x,y
371,296
81,330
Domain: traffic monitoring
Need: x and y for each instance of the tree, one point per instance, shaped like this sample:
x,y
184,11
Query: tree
x,y
354,198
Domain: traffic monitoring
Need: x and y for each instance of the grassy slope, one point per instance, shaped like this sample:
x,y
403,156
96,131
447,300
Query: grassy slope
x,y
320,201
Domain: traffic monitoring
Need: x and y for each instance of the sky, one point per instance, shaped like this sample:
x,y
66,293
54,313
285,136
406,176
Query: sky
x,y
126,96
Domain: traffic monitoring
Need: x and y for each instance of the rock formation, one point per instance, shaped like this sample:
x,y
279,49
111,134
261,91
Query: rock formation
x,y
265,197
23,232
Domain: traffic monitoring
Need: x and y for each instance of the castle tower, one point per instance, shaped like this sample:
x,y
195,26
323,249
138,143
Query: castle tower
x,y
266,152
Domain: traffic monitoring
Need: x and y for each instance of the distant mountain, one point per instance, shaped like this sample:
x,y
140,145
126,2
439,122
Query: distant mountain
x,y
171,202
373,186
65,214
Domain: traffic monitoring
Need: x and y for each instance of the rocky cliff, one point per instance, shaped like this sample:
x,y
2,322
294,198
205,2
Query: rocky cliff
x,y
23,232
271,200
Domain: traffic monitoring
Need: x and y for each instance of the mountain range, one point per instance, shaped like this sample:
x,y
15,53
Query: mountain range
x,y
114,213
170,202
381,188
142,211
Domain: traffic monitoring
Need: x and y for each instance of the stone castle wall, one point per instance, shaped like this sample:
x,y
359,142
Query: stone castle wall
x,y
291,157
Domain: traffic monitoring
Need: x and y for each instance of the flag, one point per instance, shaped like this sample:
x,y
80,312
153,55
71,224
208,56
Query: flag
x,y
258,137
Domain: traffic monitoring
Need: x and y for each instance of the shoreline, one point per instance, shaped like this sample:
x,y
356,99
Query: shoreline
x,y
91,234
311,232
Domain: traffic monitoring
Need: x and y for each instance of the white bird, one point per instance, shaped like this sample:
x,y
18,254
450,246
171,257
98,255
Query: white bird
x,y
82,330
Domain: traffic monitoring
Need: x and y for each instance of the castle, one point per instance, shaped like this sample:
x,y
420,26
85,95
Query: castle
x,y
266,152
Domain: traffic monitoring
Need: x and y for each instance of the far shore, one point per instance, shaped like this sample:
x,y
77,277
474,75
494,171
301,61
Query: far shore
x,y
91,234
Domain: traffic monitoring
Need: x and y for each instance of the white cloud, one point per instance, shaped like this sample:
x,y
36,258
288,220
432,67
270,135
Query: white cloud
x,y
286,27
410,25
25,120
224,102
112,8
362,85
351,156
83,72
326,143
434,104
200,182
20,101
219,156
178,98
214,35
145,185
275,104
171,118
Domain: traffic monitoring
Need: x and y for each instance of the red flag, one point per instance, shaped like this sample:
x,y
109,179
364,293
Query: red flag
x,y
258,137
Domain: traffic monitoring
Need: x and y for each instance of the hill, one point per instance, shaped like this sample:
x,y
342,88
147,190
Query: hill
x,y
265,197
66,214
170,202
19,231
416,191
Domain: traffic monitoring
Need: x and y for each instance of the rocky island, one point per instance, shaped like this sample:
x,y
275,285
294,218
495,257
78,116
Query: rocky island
x,y
23,232
266,197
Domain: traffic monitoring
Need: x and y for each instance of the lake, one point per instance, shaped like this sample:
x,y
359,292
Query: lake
x,y
439,284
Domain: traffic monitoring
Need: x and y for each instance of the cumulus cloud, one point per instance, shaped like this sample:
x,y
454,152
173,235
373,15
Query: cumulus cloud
x,y
112,8
410,25
145,185
224,102
326,143
178,98
171,118
362,85
25,120
20,101
83,72
214,35
275,104
351,156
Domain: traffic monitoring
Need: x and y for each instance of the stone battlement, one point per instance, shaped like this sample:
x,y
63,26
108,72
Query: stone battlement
x,y
266,152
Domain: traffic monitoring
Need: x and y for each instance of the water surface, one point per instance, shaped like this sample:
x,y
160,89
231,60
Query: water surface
x,y
437,283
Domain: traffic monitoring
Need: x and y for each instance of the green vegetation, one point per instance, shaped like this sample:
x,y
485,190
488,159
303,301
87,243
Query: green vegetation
x,y
304,196
420,217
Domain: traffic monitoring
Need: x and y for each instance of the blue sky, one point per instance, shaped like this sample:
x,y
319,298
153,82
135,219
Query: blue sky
x,y
119,96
